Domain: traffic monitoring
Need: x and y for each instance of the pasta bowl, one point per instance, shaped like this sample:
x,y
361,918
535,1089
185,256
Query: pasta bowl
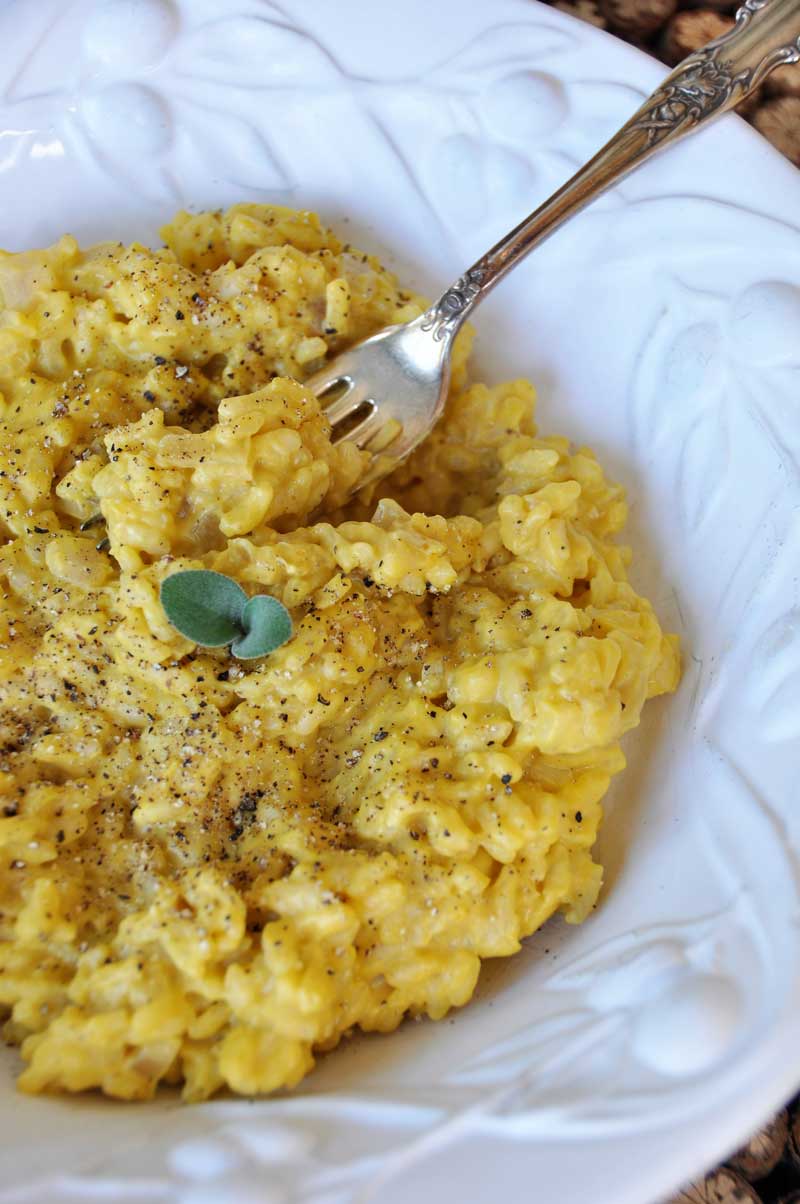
x,y
611,1061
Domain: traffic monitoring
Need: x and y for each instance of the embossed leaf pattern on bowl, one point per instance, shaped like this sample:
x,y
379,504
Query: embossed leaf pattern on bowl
x,y
766,703
661,986
777,685
130,107
719,364
183,98
514,110
655,993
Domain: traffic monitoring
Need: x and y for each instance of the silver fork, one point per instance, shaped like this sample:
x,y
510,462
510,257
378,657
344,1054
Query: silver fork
x,y
386,393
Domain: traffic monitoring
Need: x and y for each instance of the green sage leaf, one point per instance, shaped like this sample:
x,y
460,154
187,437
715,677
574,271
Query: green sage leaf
x,y
204,606
267,624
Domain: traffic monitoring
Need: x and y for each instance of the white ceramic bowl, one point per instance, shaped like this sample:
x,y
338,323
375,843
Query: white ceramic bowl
x,y
606,1063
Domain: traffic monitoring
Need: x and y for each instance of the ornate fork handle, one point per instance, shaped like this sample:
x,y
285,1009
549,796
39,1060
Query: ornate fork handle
x,y
720,74
707,83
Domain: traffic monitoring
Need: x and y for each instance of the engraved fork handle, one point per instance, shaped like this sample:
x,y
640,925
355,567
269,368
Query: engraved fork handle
x,y
707,83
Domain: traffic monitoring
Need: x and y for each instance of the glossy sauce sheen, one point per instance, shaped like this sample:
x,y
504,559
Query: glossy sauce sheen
x,y
212,869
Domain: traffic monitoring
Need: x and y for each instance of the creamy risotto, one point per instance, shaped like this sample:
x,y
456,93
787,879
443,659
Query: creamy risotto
x,y
212,869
